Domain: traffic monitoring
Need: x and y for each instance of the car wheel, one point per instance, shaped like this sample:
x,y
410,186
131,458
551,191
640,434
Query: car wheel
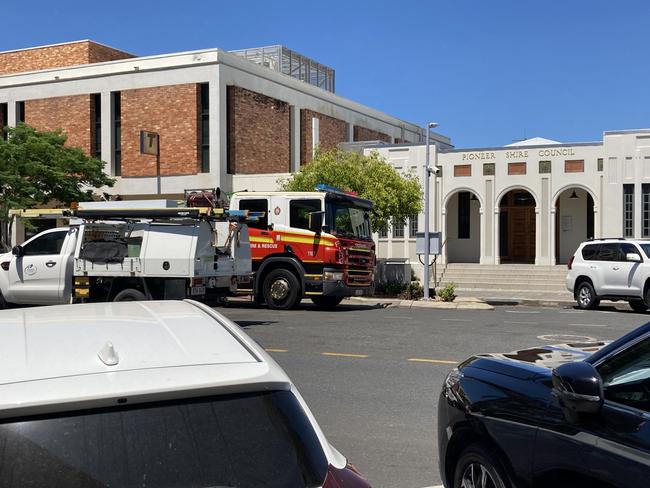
x,y
281,290
477,468
638,305
586,296
326,302
130,295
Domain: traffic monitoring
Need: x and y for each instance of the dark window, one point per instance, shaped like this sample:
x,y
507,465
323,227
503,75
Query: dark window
x,y
645,210
117,133
413,226
646,249
4,122
607,252
628,210
20,112
590,252
51,243
626,376
625,249
255,439
398,229
96,126
463,215
299,211
205,128
257,205
590,216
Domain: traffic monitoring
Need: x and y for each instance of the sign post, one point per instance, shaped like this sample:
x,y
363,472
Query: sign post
x,y
150,144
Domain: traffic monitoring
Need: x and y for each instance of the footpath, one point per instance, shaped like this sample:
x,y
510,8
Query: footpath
x,y
460,303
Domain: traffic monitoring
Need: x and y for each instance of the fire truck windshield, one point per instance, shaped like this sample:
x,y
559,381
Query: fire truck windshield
x,y
346,220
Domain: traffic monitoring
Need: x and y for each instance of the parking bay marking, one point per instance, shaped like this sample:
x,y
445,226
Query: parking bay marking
x,y
434,361
520,323
269,349
587,325
522,311
456,320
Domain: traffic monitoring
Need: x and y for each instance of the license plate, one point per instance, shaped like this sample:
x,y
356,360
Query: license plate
x,y
358,292
198,290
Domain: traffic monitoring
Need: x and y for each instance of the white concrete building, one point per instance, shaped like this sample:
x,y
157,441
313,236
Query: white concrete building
x,y
529,202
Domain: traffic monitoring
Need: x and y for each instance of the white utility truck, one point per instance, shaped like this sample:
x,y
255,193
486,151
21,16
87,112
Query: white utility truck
x,y
120,254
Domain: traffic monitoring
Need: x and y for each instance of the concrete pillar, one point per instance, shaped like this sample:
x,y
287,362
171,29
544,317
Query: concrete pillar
x,y
295,138
350,132
481,218
553,258
218,117
107,132
11,113
315,135
497,250
487,222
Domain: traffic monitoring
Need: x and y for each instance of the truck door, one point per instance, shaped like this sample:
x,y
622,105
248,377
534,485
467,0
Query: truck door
x,y
38,276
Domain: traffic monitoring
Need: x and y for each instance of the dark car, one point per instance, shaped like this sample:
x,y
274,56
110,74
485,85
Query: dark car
x,y
569,415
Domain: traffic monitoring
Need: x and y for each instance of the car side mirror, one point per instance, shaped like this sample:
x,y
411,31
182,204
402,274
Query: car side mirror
x,y
579,389
632,256
18,251
316,221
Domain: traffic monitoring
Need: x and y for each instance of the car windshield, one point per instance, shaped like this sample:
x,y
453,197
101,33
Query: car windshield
x,y
247,440
646,249
346,220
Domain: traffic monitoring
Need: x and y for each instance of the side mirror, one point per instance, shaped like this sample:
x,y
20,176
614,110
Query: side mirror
x,y
17,251
579,388
632,256
316,221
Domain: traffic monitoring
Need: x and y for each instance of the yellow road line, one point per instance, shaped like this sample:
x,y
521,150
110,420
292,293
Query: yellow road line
x,y
276,350
344,355
434,361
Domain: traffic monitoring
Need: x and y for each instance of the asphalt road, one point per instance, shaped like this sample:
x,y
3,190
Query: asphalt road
x,y
372,375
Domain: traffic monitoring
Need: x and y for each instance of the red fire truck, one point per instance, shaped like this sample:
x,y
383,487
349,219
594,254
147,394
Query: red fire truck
x,y
309,244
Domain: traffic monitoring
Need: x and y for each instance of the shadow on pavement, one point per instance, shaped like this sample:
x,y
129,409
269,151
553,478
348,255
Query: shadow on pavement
x,y
244,324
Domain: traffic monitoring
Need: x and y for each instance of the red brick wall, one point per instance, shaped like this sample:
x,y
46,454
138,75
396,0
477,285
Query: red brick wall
x,y
69,54
70,114
172,112
258,133
363,134
331,132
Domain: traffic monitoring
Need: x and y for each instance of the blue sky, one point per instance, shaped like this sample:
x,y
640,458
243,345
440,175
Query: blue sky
x,y
489,71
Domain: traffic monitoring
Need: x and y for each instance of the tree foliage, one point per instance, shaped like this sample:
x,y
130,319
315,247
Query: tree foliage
x,y
37,168
395,196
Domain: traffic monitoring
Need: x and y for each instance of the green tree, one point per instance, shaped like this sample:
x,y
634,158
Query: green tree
x,y
36,168
395,196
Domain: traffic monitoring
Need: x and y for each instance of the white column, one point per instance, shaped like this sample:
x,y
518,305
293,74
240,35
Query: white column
x,y
496,247
218,117
315,135
107,132
11,113
538,235
553,235
481,218
295,138
443,229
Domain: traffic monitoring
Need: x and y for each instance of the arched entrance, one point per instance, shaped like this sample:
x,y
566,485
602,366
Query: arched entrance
x,y
517,227
574,221
463,227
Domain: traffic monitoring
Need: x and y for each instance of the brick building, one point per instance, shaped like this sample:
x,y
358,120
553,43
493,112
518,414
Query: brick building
x,y
235,120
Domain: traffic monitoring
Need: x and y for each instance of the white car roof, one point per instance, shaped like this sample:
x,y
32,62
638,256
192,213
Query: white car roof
x,y
52,357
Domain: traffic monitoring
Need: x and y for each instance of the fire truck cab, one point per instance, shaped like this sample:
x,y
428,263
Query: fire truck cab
x,y
316,245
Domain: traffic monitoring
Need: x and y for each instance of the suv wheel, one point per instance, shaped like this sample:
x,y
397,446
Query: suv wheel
x,y
638,305
586,296
478,468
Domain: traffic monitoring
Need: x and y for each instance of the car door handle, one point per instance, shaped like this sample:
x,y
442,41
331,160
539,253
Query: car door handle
x,y
49,264
593,267
616,268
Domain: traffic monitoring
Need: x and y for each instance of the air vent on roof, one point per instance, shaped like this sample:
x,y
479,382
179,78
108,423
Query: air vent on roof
x,y
108,355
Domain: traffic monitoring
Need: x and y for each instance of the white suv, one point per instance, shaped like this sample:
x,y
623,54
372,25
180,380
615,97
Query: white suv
x,y
613,269
161,394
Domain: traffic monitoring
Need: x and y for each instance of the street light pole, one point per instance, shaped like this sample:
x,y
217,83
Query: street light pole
x,y
427,250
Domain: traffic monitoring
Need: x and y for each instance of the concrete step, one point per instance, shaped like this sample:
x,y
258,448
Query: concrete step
x,y
454,275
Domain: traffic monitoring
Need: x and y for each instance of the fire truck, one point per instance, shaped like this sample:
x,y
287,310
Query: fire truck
x,y
316,245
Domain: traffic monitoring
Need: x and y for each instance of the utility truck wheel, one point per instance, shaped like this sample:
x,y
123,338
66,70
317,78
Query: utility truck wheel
x,y
130,295
326,302
281,290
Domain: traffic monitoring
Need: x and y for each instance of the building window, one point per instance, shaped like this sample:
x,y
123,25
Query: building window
x,y
628,210
398,230
117,133
96,126
599,164
463,214
413,226
20,112
205,128
4,115
383,233
645,208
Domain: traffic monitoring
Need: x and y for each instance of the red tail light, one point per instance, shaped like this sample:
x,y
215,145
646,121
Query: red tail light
x,y
5,265
570,263
348,477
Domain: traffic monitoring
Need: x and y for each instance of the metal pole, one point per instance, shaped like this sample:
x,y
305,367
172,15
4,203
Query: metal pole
x,y
426,218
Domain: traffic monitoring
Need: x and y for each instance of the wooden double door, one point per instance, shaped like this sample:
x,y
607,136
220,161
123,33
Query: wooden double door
x,y
517,228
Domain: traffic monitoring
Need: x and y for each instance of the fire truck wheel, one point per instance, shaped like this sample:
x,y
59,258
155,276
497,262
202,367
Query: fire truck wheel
x,y
281,289
130,295
326,302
